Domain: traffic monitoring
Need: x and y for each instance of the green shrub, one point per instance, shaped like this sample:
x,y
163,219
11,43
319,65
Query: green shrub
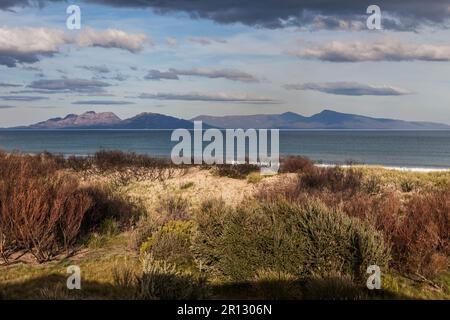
x,y
335,242
170,208
171,243
162,280
302,240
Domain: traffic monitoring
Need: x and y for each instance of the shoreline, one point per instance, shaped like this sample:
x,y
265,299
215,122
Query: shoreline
x,y
386,167
316,163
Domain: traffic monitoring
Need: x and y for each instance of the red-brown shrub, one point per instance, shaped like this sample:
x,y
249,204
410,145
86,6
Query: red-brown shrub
x,y
44,214
422,240
44,211
296,164
334,179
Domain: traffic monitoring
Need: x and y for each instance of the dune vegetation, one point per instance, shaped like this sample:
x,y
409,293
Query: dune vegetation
x,y
141,228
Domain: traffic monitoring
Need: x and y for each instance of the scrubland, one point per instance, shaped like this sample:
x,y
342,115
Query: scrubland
x,y
141,228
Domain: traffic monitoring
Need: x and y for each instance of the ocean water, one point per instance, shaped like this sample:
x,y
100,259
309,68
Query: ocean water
x,y
409,149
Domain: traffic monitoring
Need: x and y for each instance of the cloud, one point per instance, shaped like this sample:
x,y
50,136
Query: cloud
x,y
206,41
96,69
398,14
22,98
34,91
172,42
27,45
349,89
31,68
112,38
9,4
120,77
385,50
69,85
334,23
209,97
159,75
173,74
103,102
230,74
9,85
6,107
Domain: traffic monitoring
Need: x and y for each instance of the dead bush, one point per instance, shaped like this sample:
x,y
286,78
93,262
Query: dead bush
x,y
44,211
296,164
44,214
421,243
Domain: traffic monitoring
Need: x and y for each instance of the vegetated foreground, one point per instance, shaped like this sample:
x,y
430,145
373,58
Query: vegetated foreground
x,y
140,228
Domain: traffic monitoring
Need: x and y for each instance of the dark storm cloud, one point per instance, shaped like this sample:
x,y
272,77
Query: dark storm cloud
x,y
279,13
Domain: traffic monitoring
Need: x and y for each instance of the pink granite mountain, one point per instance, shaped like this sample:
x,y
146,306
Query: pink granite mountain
x,y
87,119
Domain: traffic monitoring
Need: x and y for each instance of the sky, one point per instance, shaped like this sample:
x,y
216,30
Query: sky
x,y
186,58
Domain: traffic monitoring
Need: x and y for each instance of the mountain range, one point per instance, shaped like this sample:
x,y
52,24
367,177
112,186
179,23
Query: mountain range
x,y
326,119
108,120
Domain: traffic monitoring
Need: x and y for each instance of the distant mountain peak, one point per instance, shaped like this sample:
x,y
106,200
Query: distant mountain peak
x,y
289,113
328,111
144,114
69,116
292,116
